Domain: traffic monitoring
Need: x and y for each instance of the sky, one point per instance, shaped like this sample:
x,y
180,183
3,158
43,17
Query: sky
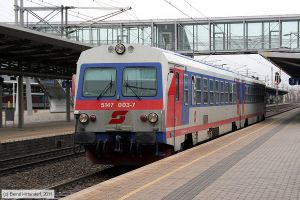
x,y
162,9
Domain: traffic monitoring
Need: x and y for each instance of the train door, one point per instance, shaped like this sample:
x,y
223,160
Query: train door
x,y
174,102
185,99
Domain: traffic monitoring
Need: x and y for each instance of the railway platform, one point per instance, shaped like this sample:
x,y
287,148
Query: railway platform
x,y
36,130
258,162
40,124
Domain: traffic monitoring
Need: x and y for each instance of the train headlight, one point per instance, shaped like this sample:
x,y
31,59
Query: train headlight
x,y
120,48
83,118
153,117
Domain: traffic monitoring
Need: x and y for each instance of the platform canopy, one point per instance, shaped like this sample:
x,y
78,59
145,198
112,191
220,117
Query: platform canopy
x,y
27,52
272,91
287,61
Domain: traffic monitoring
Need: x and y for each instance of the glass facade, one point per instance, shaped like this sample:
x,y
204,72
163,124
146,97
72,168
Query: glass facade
x,y
191,36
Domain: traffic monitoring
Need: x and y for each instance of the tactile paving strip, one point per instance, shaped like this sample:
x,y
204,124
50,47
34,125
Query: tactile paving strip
x,y
192,188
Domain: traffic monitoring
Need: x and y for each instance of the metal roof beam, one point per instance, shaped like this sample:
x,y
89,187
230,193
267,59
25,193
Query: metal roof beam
x,y
14,42
31,74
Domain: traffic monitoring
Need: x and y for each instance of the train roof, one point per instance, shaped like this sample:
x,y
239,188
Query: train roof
x,y
142,53
185,60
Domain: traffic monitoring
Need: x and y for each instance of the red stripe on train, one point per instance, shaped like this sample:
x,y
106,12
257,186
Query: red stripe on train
x,y
183,131
119,104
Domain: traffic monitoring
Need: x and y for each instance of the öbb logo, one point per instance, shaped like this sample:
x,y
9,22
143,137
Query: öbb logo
x,y
118,117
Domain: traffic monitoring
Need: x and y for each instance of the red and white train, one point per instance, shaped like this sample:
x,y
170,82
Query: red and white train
x,y
136,104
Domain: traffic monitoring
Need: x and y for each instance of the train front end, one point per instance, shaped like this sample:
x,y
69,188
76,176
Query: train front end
x,y
119,105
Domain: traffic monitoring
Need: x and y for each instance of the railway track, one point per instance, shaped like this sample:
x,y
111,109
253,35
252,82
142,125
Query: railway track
x,y
12,165
271,110
70,186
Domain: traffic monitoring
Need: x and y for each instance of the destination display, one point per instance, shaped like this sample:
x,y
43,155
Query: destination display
x,y
294,81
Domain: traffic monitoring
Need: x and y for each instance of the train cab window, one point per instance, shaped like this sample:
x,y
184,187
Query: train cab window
x,y
177,86
193,85
217,92
139,82
205,90
99,82
198,90
186,89
212,91
222,99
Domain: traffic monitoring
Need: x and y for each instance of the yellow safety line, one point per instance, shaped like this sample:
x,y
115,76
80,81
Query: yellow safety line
x,y
190,163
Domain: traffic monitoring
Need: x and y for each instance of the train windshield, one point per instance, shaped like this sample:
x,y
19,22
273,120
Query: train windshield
x,y
139,82
99,82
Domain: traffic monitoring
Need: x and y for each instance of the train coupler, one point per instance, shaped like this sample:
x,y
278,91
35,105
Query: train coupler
x,y
118,144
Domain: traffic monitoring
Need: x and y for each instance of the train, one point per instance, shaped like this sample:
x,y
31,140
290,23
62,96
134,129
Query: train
x,y
39,98
136,104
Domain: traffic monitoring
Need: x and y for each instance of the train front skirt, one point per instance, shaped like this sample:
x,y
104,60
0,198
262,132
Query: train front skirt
x,y
119,148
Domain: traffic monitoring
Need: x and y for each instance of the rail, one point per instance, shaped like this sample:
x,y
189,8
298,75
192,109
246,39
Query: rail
x,y
19,163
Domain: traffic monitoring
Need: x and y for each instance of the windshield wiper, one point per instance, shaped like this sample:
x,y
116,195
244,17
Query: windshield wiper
x,y
143,88
130,87
108,86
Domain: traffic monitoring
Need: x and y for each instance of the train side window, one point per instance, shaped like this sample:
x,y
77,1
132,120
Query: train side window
x,y
193,85
222,99
234,92
186,89
177,86
250,94
205,90
230,93
212,91
253,94
246,94
198,90
227,92
217,92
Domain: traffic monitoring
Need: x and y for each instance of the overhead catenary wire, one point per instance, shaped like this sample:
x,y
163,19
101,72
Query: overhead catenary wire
x,y
79,17
149,35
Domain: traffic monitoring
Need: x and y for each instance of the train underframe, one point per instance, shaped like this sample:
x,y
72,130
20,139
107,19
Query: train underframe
x,y
123,148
